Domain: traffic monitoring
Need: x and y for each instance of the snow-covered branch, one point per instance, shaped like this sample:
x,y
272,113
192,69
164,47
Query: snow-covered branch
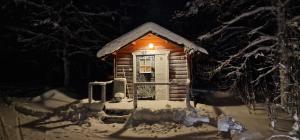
x,y
242,52
264,74
236,19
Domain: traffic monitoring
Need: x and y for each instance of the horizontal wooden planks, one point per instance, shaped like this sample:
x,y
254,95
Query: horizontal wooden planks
x,y
178,65
124,73
124,65
182,95
176,99
178,57
178,68
177,91
183,72
178,73
179,76
178,61
124,62
179,87
179,53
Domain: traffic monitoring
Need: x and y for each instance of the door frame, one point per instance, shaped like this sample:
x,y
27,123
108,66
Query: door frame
x,y
150,52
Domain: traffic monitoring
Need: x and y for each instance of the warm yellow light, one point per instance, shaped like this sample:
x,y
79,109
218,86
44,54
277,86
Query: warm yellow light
x,y
150,46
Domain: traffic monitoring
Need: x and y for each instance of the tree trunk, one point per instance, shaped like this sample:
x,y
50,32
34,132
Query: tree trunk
x,y
284,82
66,68
284,53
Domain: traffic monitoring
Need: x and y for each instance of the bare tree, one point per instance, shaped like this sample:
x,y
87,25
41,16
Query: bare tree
x,y
62,28
255,48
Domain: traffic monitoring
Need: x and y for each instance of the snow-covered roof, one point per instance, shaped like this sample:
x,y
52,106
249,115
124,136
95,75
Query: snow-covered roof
x,y
142,30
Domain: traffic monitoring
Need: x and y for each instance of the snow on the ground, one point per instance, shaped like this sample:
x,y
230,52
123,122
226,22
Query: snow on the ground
x,y
53,99
58,126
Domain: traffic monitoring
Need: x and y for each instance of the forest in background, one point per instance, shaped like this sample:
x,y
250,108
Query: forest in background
x,y
253,45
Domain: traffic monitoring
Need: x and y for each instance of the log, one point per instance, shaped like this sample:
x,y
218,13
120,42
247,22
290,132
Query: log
x,y
177,91
179,81
125,70
178,73
124,62
178,77
173,68
177,54
124,58
178,57
177,95
178,65
127,74
124,66
124,55
178,87
178,61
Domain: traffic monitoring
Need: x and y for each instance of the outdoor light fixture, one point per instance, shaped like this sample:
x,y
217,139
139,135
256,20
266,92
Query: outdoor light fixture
x,y
150,46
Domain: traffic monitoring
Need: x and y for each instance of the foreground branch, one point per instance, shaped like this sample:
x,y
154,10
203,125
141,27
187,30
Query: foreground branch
x,y
238,18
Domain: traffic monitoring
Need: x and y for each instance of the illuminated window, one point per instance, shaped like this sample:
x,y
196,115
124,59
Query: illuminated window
x,y
146,64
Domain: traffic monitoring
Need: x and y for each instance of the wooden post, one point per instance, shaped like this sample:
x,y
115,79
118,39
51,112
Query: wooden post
x,y
90,87
134,96
189,82
103,93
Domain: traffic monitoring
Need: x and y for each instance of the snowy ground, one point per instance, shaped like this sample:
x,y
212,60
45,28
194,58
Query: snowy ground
x,y
55,127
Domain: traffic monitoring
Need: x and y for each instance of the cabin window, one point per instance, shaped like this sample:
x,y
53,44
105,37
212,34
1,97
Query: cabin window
x,y
145,64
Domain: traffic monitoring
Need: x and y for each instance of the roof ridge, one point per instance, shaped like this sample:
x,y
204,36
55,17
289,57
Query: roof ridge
x,y
140,31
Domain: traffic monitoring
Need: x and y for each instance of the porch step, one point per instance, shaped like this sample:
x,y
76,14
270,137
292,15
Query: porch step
x,y
118,112
115,119
176,99
115,115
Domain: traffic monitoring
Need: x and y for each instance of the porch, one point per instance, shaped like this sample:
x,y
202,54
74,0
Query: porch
x,y
132,103
127,104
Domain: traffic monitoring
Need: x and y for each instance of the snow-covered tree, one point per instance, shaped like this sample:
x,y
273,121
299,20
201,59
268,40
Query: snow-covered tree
x,y
64,28
254,44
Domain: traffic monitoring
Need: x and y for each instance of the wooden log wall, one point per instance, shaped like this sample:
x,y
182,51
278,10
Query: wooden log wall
x,y
124,67
178,73
178,66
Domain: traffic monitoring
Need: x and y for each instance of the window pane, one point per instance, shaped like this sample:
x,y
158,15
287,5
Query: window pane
x,y
148,69
142,61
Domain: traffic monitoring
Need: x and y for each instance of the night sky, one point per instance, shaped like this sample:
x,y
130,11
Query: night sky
x,y
30,66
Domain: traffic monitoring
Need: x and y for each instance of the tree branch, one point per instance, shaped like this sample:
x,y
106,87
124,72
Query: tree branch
x,y
241,52
256,81
238,18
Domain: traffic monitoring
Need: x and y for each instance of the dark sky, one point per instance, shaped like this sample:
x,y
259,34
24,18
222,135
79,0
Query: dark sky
x,y
33,64
158,11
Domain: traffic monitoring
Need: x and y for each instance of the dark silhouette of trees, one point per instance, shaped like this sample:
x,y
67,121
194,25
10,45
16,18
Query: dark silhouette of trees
x,y
254,45
62,28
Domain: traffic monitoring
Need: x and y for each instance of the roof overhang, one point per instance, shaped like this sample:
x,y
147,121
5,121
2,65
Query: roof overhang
x,y
141,31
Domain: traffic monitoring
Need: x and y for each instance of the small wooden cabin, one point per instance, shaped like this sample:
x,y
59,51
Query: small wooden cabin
x,y
154,61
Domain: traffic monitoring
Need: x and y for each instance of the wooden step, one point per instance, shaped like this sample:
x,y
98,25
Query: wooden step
x,y
115,119
119,112
177,99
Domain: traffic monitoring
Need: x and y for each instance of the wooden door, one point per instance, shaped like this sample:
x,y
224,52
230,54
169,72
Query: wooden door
x,y
161,76
145,69
151,66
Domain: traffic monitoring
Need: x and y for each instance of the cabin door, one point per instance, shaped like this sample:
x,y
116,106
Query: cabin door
x,y
161,76
151,66
145,72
